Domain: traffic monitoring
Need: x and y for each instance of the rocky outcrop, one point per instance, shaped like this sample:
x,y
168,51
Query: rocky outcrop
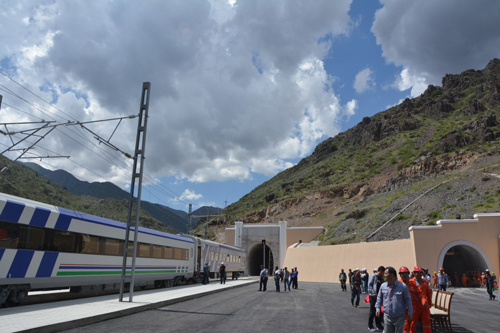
x,y
469,133
427,168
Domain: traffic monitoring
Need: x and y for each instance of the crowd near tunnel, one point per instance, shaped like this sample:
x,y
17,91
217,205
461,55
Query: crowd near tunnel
x,y
462,259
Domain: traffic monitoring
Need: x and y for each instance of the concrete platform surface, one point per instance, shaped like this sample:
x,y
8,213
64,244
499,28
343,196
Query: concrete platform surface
x,y
57,316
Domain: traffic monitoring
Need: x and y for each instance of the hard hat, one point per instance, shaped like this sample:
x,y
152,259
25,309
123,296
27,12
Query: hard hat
x,y
342,269
222,263
441,269
418,269
404,269
487,270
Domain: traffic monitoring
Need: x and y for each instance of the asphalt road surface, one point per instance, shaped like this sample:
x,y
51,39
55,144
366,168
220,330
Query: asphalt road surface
x,y
315,307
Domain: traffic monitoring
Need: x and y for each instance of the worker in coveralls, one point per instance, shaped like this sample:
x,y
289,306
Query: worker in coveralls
x,y
416,298
423,312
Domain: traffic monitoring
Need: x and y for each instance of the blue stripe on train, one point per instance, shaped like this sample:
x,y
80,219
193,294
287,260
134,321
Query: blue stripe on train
x,y
40,217
1,253
63,222
12,211
47,264
20,264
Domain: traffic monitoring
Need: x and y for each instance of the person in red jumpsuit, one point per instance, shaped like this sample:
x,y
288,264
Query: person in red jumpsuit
x,y
424,312
416,299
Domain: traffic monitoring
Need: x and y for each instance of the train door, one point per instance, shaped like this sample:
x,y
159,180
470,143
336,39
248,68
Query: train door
x,y
198,259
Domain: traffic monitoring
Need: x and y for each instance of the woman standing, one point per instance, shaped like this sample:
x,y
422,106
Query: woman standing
x,y
356,287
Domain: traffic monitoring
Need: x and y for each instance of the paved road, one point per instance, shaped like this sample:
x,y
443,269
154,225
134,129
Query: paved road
x,y
315,307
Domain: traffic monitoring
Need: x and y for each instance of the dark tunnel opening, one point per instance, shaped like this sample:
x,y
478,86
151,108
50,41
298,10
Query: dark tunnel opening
x,y
255,258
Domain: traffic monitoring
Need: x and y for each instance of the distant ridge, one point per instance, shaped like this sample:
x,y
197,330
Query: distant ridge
x,y
175,219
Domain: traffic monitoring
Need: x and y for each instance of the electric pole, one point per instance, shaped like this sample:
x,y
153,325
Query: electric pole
x,y
140,147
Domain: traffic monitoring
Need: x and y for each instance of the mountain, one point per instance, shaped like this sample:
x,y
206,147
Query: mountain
x,y
23,182
175,219
432,157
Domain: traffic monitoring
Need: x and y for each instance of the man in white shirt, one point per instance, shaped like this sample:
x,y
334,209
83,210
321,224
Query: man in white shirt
x,y
263,278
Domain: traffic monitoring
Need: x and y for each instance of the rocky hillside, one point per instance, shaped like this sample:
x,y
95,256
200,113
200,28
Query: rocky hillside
x,y
442,146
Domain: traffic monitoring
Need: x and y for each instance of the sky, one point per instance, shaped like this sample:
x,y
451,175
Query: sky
x,y
240,90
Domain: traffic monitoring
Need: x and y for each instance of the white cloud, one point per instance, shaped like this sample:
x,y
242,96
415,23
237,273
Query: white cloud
x,y
429,39
230,94
416,83
364,81
351,108
189,195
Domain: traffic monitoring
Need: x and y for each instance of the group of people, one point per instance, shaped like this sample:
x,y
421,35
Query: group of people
x,y
206,274
476,279
288,278
395,305
398,305
471,279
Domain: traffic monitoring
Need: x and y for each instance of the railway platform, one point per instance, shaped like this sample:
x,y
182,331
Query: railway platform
x,y
62,315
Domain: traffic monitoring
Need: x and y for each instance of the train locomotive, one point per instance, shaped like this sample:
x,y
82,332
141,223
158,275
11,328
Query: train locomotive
x,y
45,247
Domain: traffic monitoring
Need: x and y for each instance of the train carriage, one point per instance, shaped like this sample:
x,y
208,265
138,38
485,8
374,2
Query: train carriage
x,y
44,246
214,254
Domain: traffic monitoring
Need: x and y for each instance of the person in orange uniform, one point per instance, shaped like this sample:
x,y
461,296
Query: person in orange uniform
x,y
416,299
423,312
434,280
464,280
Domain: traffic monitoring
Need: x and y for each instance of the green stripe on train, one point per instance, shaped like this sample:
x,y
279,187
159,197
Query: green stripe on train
x,y
110,272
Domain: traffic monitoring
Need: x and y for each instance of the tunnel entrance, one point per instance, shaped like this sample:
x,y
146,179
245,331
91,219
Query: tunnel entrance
x,y
462,259
255,257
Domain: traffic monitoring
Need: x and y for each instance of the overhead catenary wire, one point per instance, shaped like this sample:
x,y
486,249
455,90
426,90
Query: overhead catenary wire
x,y
109,157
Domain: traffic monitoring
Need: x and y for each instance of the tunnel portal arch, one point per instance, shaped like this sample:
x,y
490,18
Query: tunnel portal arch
x,y
255,256
463,256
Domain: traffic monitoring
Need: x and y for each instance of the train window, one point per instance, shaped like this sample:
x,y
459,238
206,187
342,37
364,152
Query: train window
x,y
239,259
90,244
9,235
179,254
63,241
168,253
14,236
33,238
113,247
157,251
143,250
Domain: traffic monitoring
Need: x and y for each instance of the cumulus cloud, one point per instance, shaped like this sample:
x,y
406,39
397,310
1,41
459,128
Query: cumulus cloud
x,y
364,81
351,107
190,195
429,39
237,87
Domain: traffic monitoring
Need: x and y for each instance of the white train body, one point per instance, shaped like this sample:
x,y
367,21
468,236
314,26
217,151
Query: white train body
x,y
44,246
214,254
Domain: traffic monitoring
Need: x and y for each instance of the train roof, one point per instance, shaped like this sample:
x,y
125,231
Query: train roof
x,y
15,207
222,245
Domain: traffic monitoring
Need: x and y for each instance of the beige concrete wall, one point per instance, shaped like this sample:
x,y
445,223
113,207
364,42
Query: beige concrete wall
x,y
230,236
323,263
294,235
482,232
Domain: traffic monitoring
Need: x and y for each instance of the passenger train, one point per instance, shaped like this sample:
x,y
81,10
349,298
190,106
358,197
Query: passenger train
x,y
47,247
